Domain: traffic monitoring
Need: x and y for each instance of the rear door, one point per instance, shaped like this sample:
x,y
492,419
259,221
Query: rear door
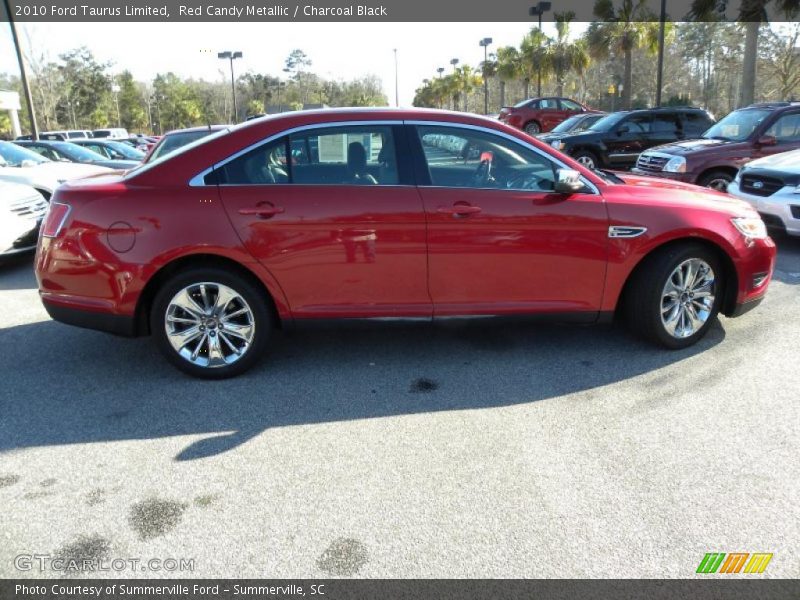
x,y
333,214
667,128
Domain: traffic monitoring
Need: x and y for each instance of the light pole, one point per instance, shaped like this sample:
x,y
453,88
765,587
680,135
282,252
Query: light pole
x,y
454,62
440,70
485,42
662,23
396,88
538,11
231,55
22,73
115,90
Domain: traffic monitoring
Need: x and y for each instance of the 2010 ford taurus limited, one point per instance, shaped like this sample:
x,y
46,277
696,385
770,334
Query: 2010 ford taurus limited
x,y
359,213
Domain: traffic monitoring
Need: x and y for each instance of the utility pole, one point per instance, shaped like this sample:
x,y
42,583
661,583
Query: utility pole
x,y
396,87
23,75
661,27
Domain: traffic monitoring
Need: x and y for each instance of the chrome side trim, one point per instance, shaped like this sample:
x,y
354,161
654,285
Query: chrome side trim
x,y
507,136
197,180
624,231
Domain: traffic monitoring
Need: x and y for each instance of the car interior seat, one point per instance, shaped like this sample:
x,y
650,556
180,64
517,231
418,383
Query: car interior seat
x,y
357,165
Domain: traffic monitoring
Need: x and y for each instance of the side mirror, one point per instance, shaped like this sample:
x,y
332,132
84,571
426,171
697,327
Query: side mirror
x,y
568,181
767,140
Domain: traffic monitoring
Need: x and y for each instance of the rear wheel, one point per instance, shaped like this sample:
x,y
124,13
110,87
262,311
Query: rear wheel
x,y
210,323
717,180
587,159
532,128
675,297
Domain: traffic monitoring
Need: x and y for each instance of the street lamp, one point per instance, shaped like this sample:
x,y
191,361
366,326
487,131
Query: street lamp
x,y
440,70
396,88
538,11
485,42
115,90
231,56
454,62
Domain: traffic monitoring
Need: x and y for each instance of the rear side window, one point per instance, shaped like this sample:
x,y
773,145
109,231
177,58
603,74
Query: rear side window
x,y
265,165
666,123
549,104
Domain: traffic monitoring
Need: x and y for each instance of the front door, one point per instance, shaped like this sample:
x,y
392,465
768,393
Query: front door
x,y
335,218
500,240
628,140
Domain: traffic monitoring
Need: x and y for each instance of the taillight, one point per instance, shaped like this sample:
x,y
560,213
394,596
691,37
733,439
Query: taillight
x,y
55,219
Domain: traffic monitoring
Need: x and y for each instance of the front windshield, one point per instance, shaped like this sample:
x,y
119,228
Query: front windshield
x,y
607,122
78,153
737,126
126,150
13,155
567,125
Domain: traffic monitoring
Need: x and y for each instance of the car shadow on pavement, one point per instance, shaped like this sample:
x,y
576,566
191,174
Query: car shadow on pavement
x,y
69,386
16,273
787,264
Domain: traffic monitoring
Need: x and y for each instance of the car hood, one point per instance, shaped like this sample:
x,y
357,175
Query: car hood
x,y
11,192
575,137
663,191
551,137
49,175
692,146
785,162
117,164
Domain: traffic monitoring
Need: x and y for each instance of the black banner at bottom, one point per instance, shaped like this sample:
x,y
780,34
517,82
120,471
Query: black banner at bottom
x,y
389,589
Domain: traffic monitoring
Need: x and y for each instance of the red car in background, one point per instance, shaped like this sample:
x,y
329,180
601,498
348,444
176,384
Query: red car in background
x,y
538,115
390,214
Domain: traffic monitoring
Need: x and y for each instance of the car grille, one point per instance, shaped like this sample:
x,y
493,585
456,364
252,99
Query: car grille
x,y
32,207
650,162
760,186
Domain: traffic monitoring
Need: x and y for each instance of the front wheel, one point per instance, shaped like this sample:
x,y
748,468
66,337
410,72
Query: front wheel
x,y
717,180
532,128
586,158
210,323
675,297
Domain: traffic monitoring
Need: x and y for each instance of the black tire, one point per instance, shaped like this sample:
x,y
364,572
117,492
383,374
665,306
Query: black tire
x,y
717,180
252,295
584,156
643,301
532,128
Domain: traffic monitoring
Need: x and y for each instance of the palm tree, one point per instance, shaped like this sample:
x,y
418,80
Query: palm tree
x,y
467,79
535,59
621,31
752,13
565,56
508,68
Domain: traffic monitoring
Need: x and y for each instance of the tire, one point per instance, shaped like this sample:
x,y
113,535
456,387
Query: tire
x,y
587,158
717,180
532,128
212,346
668,314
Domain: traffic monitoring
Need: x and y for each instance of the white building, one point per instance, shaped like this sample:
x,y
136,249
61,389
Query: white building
x,y
10,101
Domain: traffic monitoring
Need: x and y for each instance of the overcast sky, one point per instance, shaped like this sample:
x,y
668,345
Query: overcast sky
x,y
338,50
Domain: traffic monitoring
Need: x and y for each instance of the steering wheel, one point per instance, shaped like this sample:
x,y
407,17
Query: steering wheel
x,y
482,177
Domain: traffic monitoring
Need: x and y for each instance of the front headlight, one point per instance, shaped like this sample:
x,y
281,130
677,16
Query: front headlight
x,y
676,164
750,227
557,144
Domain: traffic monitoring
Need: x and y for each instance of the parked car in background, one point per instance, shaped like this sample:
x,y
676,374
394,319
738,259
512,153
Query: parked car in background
x,y
69,152
59,135
173,140
714,159
112,149
21,165
140,142
114,132
538,115
211,248
772,186
616,140
22,209
573,124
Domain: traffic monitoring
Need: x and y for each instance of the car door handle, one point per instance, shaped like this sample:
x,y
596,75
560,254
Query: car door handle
x,y
459,210
265,211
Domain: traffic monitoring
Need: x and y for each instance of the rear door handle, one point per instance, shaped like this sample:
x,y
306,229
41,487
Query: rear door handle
x,y
459,210
264,212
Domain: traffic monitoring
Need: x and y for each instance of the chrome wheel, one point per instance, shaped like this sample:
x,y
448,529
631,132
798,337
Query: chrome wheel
x,y
532,129
719,184
687,300
586,161
209,325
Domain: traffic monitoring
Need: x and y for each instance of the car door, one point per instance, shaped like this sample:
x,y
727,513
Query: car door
x,y
550,113
628,139
786,131
334,216
500,240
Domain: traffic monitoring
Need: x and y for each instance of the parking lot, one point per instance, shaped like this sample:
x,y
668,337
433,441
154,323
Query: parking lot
x,y
447,451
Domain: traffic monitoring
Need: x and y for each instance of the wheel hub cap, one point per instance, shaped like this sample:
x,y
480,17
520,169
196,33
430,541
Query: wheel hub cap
x,y
688,298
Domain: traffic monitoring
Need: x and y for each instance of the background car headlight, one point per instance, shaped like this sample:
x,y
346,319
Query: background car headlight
x,y
676,164
557,144
750,227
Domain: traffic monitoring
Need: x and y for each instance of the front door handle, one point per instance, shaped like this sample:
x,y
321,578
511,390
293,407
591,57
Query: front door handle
x,y
265,211
459,210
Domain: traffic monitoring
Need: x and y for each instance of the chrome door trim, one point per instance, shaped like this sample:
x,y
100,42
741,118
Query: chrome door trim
x,y
198,180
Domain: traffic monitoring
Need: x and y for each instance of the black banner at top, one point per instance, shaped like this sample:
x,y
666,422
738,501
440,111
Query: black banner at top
x,y
395,10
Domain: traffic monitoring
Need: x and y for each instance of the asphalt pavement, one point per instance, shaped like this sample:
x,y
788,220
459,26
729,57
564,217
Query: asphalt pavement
x,y
446,451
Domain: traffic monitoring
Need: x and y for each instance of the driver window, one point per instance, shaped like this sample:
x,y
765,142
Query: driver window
x,y
475,159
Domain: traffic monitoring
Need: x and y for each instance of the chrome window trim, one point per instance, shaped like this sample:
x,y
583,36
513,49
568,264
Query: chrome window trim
x,y
595,190
198,180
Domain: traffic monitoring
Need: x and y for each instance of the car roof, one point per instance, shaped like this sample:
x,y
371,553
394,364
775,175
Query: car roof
x,y
199,128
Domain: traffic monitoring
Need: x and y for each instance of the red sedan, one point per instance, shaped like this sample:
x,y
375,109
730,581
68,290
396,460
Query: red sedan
x,y
537,115
401,214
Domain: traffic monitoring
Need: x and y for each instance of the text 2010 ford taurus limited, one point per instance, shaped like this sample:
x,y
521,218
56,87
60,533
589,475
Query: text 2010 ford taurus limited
x,y
359,213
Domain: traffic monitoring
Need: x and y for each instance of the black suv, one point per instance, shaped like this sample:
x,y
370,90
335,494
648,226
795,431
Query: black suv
x,y
616,140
